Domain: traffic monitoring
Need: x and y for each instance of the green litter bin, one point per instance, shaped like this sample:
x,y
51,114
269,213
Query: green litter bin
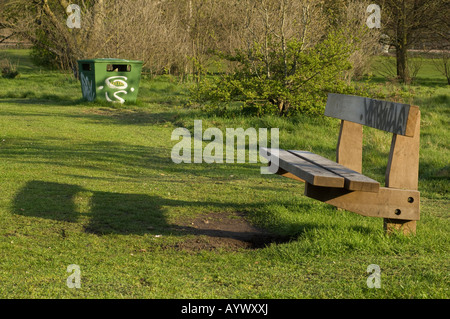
x,y
112,80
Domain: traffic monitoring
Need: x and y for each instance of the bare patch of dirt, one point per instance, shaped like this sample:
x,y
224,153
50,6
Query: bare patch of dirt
x,y
227,231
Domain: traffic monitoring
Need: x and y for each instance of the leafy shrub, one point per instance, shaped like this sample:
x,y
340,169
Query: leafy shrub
x,y
8,69
284,80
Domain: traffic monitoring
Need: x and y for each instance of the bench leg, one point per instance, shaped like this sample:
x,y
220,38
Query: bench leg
x,y
388,203
406,227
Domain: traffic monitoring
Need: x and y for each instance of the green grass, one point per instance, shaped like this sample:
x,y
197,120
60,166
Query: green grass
x,y
94,185
428,77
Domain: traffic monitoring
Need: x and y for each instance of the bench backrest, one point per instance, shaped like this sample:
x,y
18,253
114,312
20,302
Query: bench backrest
x,y
391,117
402,120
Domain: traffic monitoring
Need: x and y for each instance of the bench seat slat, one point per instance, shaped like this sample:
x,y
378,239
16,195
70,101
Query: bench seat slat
x,y
354,181
305,170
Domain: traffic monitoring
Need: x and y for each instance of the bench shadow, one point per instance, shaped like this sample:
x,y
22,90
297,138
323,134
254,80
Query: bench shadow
x,y
48,200
103,213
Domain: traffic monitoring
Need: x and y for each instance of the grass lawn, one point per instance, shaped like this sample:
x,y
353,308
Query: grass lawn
x,y
94,185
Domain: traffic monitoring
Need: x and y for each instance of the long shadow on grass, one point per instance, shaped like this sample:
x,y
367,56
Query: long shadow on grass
x,y
103,213
100,212
120,159
29,98
97,113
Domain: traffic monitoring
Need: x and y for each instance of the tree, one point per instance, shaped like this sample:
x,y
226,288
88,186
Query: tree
x,y
176,36
43,22
407,22
288,60
442,62
147,30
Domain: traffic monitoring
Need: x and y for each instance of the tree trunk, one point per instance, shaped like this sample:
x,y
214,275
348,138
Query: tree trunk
x,y
402,64
98,16
402,46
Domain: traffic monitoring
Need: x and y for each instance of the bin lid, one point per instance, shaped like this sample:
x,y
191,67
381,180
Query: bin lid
x,y
109,60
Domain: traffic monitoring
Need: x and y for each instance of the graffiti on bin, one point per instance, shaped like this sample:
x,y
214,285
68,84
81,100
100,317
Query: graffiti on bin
x,y
88,92
116,83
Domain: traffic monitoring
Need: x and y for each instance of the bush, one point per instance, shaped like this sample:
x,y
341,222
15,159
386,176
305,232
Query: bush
x,y
9,70
287,80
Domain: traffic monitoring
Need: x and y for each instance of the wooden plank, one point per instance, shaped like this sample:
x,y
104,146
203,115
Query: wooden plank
x,y
354,181
303,169
279,171
405,227
403,165
388,203
349,148
403,172
413,118
383,115
286,174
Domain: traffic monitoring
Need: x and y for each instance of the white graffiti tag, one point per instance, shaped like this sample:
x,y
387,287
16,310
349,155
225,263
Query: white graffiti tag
x,y
116,82
118,98
88,92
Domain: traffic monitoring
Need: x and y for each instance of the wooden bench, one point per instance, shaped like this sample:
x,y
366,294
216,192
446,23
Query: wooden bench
x,y
341,183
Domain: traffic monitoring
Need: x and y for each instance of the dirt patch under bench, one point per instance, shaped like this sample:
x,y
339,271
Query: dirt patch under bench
x,y
229,231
